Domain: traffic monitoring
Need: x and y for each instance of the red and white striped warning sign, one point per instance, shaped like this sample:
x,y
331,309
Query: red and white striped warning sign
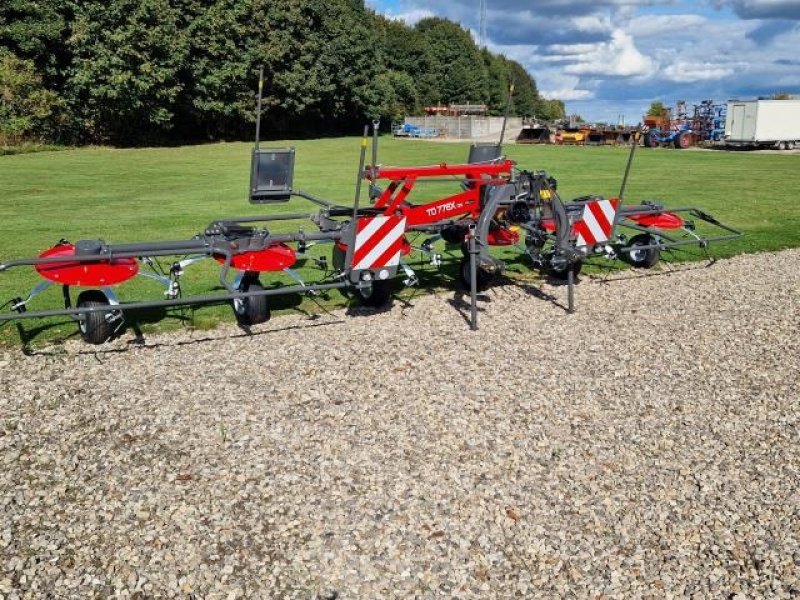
x,y
597,222
379,241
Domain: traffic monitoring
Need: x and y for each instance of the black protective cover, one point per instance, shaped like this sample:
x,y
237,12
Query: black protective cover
x,y
271,175
481,153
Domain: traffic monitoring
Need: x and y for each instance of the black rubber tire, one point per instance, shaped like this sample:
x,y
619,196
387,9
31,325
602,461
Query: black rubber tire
x,y
454,234
484,277
94,327
641,259
251,310
647,140
561,273
683,140
376,294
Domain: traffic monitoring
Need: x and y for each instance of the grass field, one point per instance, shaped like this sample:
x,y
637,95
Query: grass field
x,y
173,193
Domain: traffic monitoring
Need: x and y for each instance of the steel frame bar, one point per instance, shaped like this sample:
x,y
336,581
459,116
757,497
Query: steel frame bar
x,y
204,299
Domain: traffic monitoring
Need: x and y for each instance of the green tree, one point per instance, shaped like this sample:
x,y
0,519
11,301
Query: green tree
x,y
124,81
499,79
526,96
399,95
216,96
38,31
351,54
321,62
406,50
458,64
552,110
27,109
657,109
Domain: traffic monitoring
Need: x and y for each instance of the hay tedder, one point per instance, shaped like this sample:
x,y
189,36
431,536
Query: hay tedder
x,y
493,204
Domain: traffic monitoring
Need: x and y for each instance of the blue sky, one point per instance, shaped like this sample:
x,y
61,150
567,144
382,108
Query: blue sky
x,y
607,58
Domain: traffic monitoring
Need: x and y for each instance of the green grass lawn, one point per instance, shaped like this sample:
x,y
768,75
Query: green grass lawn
x,y
173,193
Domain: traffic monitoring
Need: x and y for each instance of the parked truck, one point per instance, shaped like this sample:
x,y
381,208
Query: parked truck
x,y
763,124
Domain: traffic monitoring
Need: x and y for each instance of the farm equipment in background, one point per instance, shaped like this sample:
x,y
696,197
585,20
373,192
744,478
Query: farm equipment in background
x,y
604,135
494,204
572,137
572,131
709,121
536,132
668,130
414,131
706,125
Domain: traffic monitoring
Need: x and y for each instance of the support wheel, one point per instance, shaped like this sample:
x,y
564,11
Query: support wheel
x,y
683,141
95,327
641,258
483,279
375,294
251,310
559,269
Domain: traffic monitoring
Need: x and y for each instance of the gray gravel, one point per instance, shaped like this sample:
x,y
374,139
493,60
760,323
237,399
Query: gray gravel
x,y
645,447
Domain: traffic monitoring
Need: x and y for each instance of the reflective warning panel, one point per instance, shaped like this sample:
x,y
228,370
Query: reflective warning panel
x,y
379,242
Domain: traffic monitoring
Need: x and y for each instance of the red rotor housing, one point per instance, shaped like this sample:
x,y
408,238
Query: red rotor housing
x,y
272,258
665,220
85,273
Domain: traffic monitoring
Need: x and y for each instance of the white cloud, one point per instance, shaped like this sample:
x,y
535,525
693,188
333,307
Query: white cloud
x,y
656,25
563,87
571,50
568,95
617,57
688,72
413,16
593,23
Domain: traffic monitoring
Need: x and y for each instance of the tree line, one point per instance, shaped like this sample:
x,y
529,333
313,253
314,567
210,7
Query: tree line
x,y
148,71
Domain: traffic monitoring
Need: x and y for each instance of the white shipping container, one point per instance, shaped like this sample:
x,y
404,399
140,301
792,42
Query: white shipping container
x,y
763,123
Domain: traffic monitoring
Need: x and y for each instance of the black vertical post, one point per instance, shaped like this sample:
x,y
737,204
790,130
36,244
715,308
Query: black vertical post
x,y
505,114
570,289
258,110
376,125
348,258
635,138
473,279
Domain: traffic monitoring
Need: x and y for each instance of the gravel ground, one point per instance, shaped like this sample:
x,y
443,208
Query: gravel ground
x,y
645,447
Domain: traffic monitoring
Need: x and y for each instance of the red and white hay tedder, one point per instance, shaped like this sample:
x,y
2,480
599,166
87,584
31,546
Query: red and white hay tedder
x,y
494,204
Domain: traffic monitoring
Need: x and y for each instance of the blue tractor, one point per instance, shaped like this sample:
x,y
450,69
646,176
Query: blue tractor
x,y
666,131
681,136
